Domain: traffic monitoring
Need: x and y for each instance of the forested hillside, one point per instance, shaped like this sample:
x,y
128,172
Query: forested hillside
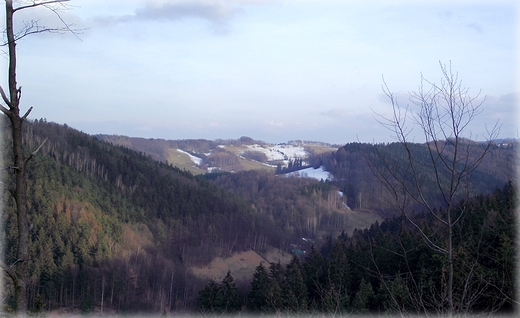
x,y
114,229
353,168
303,206
105,218
390,269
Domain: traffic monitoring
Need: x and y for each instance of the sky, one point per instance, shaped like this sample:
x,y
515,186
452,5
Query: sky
x,y
275,70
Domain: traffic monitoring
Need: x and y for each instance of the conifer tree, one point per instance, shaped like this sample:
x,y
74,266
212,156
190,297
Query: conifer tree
x,y
227,300
260,296
363,297
313,273
336,298
277,272
207,298
294,290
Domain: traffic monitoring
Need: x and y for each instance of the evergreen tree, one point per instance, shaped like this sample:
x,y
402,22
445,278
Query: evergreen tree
x,y
277,273
261,295
207,298
294,290
363,298
227,297
336,297
314,277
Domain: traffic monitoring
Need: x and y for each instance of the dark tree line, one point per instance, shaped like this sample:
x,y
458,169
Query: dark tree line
x,y
388,268
219,298
354,176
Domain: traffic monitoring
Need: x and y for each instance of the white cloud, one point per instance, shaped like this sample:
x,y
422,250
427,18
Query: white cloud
x,y
215,12
275,123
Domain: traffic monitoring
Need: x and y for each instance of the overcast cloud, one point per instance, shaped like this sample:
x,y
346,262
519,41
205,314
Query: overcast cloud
x,y
215,12
271,70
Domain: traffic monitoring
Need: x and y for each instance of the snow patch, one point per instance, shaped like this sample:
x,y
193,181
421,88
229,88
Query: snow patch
x,y
280,152
318,174
196,160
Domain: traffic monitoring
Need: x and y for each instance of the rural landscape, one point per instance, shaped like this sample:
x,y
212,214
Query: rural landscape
x,y
114,225
117,226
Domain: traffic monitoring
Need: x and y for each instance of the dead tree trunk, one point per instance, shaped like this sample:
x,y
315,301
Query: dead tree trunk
x,y
18,270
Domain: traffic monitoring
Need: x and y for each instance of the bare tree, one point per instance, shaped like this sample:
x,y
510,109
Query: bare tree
x,y
18,269
443,113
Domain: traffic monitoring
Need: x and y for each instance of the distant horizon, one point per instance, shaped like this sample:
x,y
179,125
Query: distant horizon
x,y
247,136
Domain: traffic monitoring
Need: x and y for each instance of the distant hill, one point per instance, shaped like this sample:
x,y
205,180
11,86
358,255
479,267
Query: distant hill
x,y
354,177
200,156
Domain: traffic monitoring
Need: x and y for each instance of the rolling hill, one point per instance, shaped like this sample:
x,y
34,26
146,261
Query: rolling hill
x,y
201,156
147,221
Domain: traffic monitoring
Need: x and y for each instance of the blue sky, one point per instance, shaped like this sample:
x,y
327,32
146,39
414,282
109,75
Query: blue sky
x,y
271,70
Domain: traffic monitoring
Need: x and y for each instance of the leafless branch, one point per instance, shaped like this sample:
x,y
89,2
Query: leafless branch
x,y
37,4
444,113
27,113
9,269
33,26
5,98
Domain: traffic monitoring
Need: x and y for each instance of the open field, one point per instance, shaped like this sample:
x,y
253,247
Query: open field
x,y
241,265
361,219
254,165
182,161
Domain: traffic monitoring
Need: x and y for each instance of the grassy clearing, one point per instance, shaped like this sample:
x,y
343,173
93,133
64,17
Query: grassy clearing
x,y
361,219
236,149
254,165
182,161
242,265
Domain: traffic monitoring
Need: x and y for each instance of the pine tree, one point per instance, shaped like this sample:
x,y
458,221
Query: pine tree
x,y
294,290
363,297
227,298
260,296
314,277
336,297
277,272
207,298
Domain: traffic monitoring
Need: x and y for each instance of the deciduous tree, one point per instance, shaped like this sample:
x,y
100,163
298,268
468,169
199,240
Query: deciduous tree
x,y
443,113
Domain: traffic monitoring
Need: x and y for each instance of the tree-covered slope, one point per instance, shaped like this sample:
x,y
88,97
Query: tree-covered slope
x,y
389,269
107,220
114,229
353,168
96,208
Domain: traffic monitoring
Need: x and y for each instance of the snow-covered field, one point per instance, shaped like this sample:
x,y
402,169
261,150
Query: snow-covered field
x,y
280,152
195,160
318,174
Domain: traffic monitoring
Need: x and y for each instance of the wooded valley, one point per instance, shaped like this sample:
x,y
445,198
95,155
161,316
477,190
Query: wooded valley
x,y
116,231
